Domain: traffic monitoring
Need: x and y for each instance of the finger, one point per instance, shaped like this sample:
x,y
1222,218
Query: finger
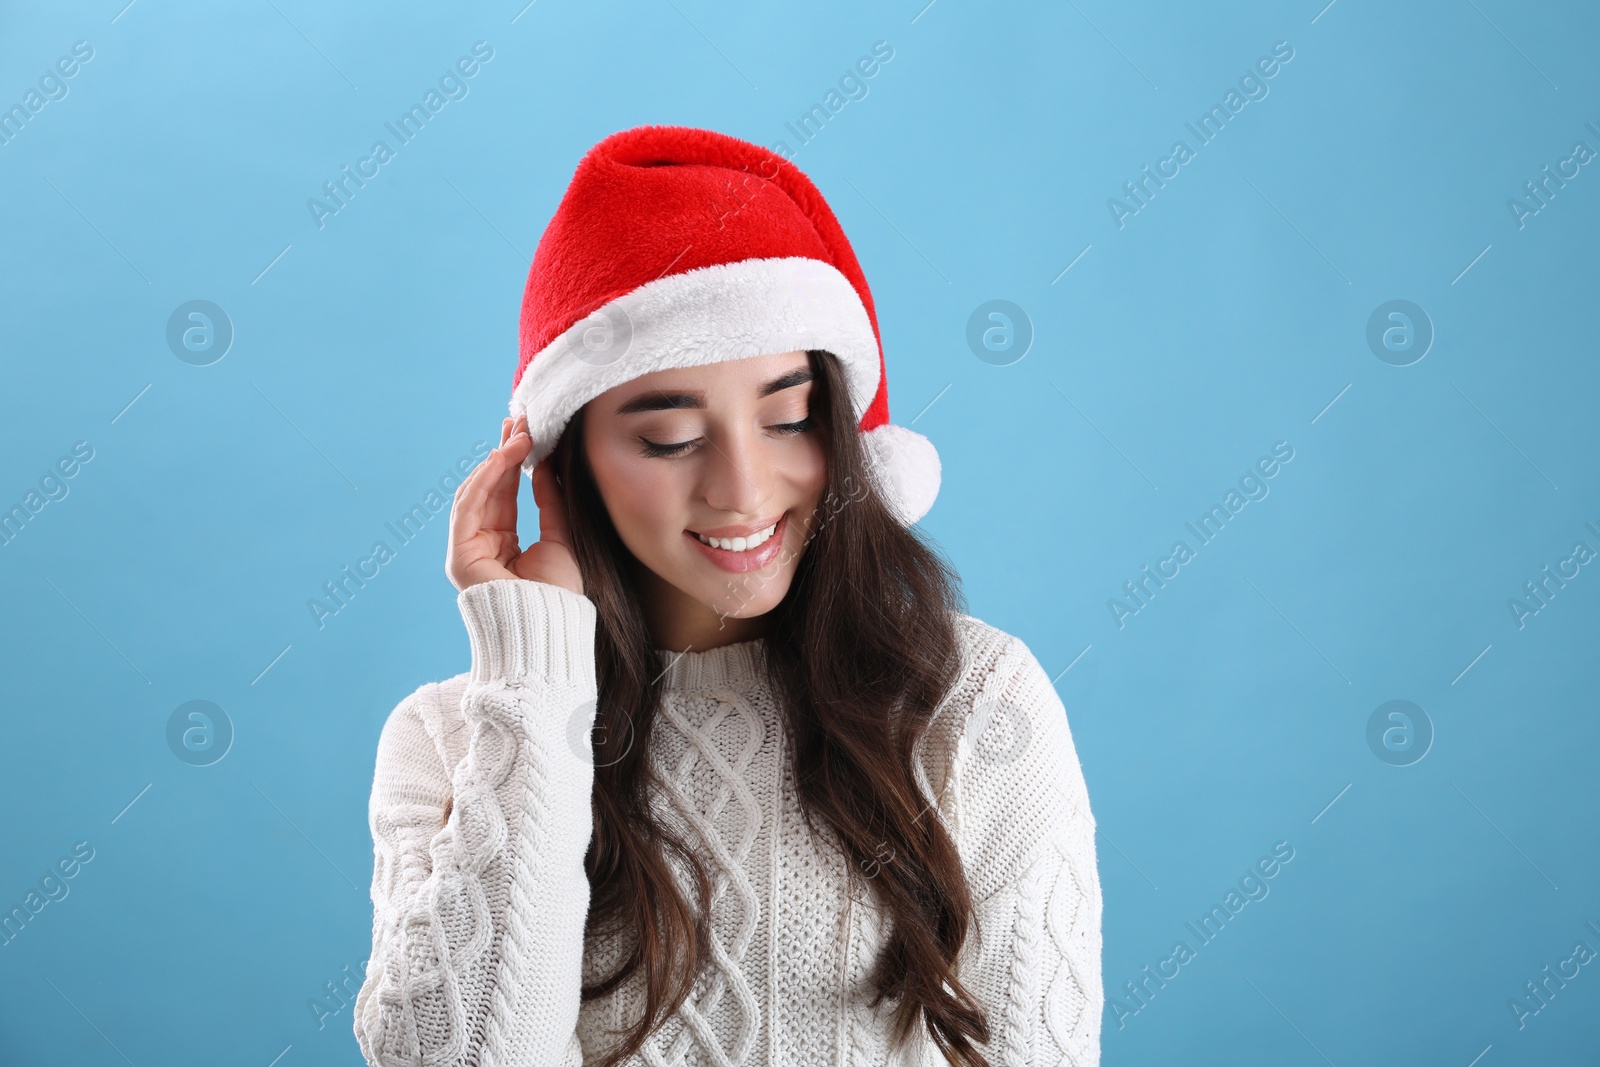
x,y
466,512
486,500
480,499
501,484
469,484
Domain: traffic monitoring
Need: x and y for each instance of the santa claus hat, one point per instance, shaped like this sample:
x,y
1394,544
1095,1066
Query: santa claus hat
x,y
680,247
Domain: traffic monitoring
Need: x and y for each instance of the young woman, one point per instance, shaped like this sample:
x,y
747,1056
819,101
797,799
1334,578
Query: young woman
x,y
731,779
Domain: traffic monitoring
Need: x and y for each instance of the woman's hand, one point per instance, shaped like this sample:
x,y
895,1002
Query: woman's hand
x,y
483,521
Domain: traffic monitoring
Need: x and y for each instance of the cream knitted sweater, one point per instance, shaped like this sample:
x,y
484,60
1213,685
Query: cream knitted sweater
x,y
478,942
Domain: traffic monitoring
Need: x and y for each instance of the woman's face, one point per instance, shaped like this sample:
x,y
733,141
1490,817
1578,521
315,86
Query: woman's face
x,y
711,476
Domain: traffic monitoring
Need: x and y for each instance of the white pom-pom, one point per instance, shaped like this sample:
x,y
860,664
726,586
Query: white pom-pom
x,y
905,466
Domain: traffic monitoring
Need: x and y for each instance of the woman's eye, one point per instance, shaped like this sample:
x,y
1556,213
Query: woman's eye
x,y
661,451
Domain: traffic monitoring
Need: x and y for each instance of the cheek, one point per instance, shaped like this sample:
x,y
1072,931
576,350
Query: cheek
x,y
806,469
641,496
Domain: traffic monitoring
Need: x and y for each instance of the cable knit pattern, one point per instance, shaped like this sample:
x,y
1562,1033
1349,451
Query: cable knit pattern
x,y
479,948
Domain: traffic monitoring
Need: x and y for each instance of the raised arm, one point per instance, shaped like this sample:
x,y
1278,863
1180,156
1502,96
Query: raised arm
x,y
1028,836
478,923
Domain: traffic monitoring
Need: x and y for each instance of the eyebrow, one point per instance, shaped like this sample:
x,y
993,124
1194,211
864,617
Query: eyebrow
x,y
659,401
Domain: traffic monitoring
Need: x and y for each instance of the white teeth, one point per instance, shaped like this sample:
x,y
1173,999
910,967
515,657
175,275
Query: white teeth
x,y
739,544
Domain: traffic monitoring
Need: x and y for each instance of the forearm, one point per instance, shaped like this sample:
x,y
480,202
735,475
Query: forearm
x,y
478,923
1036,963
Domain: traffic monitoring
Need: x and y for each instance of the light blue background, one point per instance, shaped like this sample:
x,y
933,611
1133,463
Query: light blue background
x,y
1228,314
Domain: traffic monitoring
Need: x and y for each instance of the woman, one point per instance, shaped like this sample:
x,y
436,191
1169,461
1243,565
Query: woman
x,y
731,779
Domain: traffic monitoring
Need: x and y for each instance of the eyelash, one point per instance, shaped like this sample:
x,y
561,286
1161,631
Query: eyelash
x,y
660,451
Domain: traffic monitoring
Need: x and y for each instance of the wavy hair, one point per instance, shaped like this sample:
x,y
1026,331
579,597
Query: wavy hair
x,y
859,653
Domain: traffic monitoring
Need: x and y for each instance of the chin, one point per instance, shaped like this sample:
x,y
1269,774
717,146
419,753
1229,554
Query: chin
x,y
747,597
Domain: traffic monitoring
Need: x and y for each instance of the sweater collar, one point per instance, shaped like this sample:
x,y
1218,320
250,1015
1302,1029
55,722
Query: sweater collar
x,y
736,666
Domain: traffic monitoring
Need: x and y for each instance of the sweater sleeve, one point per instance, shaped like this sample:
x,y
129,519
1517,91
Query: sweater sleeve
x,y
1029,834
478,917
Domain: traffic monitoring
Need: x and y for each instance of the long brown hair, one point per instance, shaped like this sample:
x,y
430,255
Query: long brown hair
x,y
859,653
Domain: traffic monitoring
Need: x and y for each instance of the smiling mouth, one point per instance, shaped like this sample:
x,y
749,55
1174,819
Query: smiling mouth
x,y
739,544
742,548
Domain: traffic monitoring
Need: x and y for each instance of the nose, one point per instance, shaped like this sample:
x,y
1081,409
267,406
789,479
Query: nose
x,y
738,476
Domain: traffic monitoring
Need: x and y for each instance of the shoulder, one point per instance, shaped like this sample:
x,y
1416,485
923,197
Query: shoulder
x,y
985,653
1014,783
987,649
979,647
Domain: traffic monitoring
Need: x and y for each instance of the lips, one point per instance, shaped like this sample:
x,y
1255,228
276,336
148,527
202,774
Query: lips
x,y
745,530
730,547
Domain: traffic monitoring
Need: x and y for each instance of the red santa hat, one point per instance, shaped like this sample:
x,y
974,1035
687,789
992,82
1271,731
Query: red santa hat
x,y
680,247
